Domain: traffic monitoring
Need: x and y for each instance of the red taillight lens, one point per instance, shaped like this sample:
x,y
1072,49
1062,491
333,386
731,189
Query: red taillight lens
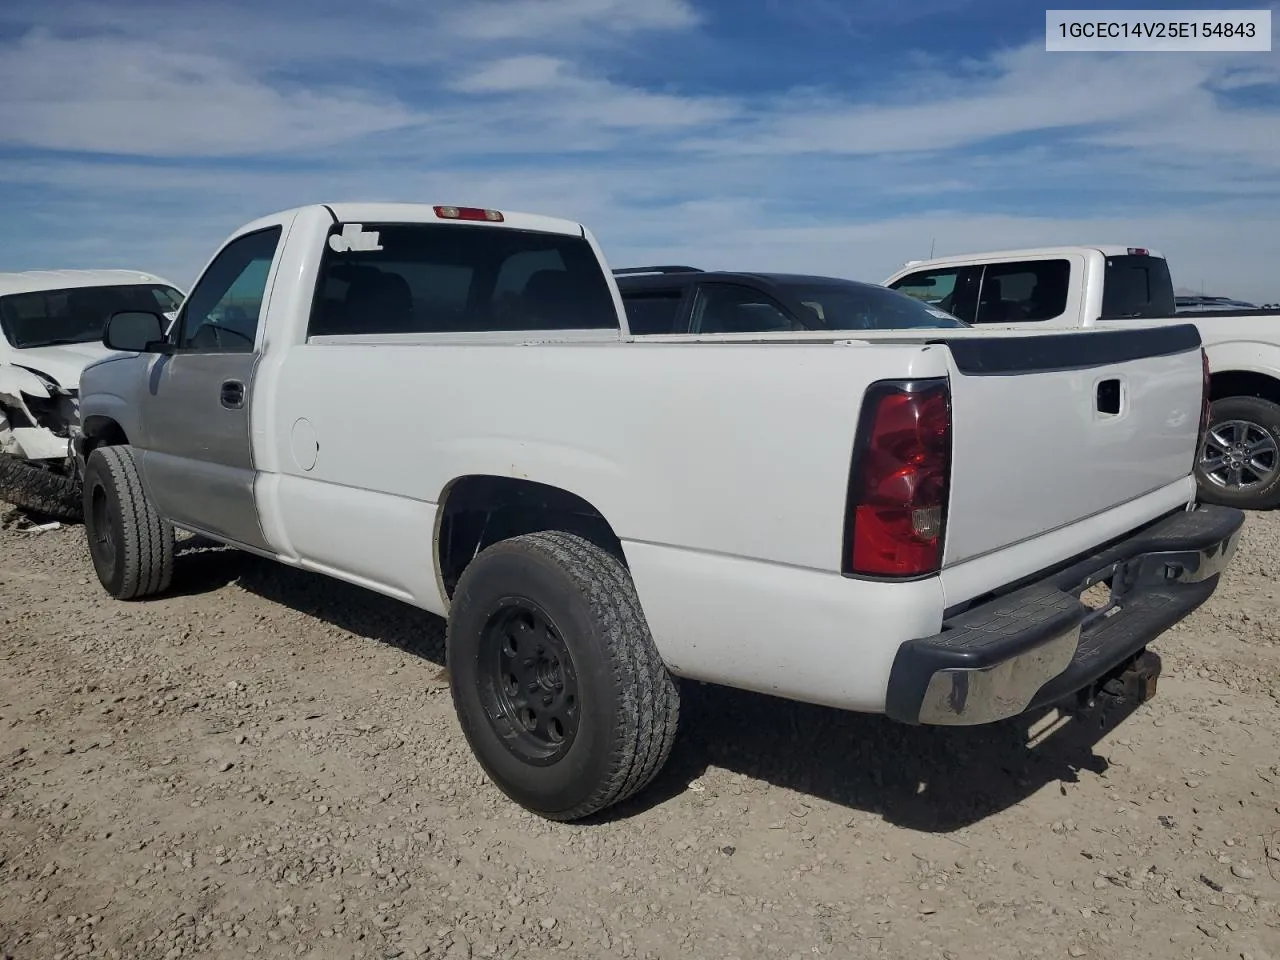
x,y
898,492
468,213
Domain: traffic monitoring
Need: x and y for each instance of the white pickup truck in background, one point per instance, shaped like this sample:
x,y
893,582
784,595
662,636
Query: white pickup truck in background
x,y
1052,288
51,324
446,405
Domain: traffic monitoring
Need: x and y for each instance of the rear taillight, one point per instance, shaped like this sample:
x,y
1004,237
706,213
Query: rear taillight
x,y
900,479
1206,407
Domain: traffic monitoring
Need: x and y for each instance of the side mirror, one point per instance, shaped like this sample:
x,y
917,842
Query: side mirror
x,y
135,331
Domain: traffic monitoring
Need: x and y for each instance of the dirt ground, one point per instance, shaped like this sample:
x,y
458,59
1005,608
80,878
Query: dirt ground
x,y
266,764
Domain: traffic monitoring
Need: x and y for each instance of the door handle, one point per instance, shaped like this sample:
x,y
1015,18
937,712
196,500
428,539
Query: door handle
x,y
232,394
1110,395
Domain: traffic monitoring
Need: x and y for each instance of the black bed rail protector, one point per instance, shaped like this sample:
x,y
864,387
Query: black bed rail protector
x,y
1209,313
1070,350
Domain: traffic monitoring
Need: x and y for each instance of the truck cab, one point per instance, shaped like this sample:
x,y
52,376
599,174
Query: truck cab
x,y
1050,287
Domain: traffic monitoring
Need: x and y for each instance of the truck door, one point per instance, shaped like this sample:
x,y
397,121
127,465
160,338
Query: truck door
x,y
197,454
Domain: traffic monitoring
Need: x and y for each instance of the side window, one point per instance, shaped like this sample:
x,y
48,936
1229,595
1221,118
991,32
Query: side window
x,y
1137,286
731,308
952,289
653,312
931,287
1027,290
222,313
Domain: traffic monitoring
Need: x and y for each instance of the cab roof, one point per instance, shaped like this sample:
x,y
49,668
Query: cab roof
x,y
371,212
1019,253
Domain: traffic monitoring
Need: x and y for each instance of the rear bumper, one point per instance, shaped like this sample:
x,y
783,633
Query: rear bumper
x,y
1041,643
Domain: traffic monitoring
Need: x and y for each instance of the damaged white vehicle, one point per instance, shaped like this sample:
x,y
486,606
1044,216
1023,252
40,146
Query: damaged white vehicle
x,y
51,324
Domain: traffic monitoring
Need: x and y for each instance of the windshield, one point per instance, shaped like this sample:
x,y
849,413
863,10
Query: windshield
x,y
848,305
44,318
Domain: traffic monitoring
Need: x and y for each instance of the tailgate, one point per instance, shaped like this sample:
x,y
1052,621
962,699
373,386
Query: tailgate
x,y
1051,429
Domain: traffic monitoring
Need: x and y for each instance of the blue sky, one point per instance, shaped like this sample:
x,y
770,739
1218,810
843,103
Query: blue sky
x,y
830,136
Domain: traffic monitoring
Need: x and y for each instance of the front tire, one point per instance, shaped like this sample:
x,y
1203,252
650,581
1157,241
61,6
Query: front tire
x,y
1239,464
131,545
558,687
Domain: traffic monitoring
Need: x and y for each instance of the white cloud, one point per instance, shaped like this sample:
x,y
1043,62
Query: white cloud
x,y
1022,90
528,19
1198,124
255,35
514,74
1250,76
345,32
105,95
566,105
192,81
591,104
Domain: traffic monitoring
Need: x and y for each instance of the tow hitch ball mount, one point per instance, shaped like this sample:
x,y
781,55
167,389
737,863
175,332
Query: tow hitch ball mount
x,y
1134,681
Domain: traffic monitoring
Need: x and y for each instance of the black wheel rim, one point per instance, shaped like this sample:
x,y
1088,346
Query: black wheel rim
x,y
528,682
104,535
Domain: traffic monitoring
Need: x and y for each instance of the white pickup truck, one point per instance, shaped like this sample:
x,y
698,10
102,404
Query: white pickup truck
x,y
50,327
445,405
1052,288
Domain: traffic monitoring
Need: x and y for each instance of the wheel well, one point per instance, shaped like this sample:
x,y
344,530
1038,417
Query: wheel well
x,y
1243,383
102,432
481,510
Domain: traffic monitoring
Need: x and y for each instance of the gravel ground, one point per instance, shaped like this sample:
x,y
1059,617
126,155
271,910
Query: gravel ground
x,y
266,764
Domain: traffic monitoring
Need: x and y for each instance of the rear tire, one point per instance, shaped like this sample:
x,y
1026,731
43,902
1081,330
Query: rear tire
x,y
558,687
1239,426
39,490
131,545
